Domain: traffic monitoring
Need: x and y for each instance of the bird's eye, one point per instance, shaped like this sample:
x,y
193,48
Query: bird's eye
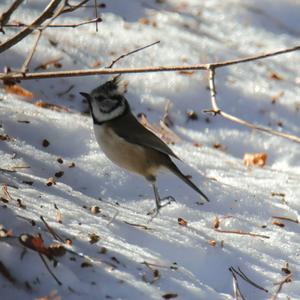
x,y
108,105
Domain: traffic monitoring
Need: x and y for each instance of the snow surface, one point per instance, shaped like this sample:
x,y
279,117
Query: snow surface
x,y
243,199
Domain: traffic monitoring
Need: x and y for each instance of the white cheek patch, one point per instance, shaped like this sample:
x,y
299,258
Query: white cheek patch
x,y
112,113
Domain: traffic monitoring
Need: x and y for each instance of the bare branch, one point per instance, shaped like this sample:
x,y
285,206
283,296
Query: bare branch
x,y
4,18
27,61
236,289
47,13
247,279
131,52
286,219
217,111
96,14
280,284
97,20
105,71
49,270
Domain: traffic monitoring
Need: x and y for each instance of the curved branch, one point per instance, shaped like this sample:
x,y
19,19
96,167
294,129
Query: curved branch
x,y
47,13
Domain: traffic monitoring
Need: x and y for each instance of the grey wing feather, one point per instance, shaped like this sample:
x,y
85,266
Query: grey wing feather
x,y
129,128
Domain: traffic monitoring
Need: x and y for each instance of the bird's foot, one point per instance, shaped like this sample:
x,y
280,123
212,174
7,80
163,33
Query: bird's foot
x,y
162,203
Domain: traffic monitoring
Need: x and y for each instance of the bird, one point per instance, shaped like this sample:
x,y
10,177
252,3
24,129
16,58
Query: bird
x,y
127,143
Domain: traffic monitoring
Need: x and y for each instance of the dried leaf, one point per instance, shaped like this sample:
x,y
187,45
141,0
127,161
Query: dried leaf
x,y
95,210
35,243
278,223
216,223
192,115
212,243
94,238
51,106
275,76
5,137
53,62
255,159
144,21
72,165
50,181
19,91
182,222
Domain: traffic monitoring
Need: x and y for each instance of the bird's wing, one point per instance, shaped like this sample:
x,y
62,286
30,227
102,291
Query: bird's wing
x,y
129,128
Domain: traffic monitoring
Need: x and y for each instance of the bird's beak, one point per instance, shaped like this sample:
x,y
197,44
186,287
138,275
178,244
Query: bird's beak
x,y
86,96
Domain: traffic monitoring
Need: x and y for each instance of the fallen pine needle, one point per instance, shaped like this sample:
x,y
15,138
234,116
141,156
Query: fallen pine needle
x,y
243,233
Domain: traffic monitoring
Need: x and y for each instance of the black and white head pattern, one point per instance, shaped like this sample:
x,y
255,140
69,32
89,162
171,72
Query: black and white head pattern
x,y
107,101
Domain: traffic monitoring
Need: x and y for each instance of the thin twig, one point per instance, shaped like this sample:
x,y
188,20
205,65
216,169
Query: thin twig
x,y
51,231
57,25
4,18
247,279
243,233
46,14
27,61
49,270
96,14
280,284
236,289
131,52
217,111
286,219
73,7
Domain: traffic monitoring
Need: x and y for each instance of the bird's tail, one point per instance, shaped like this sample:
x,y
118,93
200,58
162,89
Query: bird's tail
x,y
173,168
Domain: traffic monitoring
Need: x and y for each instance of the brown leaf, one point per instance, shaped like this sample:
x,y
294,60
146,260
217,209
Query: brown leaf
x,y
95,210
19,91
212,243
71,165
144,21
35,243
5,137
278,223
182,222
255,159
53,62
94,238
51,106
192,115
275,76
216,223
50,181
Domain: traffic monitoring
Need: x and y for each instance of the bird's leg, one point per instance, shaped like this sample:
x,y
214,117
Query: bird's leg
x,y
160,203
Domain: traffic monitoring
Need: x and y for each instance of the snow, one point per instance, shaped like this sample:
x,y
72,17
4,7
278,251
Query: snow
x,y
243,199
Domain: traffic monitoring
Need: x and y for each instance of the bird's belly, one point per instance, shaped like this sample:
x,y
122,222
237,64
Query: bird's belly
x,y
130,156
